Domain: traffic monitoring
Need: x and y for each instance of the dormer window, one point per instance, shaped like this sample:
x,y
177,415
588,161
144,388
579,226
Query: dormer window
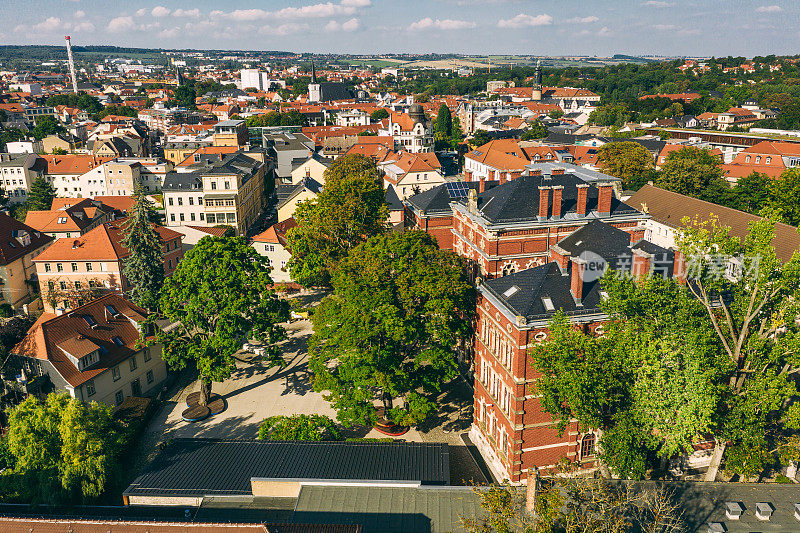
x,y
733,510
764,511
89,319
112,310
758,159
118,341
62,220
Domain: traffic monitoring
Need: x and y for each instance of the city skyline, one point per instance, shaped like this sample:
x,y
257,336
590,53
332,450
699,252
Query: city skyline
x,y
641,27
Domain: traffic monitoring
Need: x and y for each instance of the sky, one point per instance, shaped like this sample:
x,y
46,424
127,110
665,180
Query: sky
x,y
533,27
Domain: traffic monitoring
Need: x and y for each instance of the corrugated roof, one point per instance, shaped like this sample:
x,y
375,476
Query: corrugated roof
x,y
226,467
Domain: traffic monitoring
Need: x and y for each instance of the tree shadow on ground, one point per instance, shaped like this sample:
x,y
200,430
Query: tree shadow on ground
x,y
455,409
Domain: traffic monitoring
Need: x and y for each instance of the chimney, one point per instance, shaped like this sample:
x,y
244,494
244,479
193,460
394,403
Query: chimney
x,y
583,191
576,279
557,171
544,199
532,490
604,198
679,267
642,264
481,185
560,256
501,177
467,175
558,190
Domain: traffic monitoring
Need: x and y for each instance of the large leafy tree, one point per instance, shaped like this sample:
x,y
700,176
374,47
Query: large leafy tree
x,y
350,209
785,196
219,296
681,362
391,329
752,192
40,197
46,125
694,172
61,450
625,160
144,267
537,130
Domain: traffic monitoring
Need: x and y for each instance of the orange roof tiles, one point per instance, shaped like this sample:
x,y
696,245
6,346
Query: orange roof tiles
x,y
52,335
73,163
276,233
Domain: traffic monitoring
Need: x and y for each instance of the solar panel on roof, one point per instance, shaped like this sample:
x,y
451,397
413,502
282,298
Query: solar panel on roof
x,y
457,189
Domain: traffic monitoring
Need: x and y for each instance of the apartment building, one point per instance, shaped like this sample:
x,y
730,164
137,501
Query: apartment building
x,y
64,171
17,173
72,271
121,176
229,190
93,352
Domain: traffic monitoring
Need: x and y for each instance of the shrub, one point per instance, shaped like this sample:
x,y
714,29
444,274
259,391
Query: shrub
x,y
6,310
298,427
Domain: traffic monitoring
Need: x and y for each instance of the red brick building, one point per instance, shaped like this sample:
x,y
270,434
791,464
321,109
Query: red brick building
x,y
509,427
510,227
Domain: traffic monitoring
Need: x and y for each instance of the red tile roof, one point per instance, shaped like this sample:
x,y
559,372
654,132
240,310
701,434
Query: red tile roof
x,y
51,335
276,233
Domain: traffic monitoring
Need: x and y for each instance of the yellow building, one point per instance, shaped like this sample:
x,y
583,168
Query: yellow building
x,y
19,244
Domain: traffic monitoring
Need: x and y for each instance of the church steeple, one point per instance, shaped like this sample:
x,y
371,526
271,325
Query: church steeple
x,y
537,81
313,73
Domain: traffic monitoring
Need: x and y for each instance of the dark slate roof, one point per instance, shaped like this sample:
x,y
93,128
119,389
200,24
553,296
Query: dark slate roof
x,y
598,237
523,291
389,509
225,467
518,199
392,200
331,90
564,138
653,145
436,200
182,181
287,191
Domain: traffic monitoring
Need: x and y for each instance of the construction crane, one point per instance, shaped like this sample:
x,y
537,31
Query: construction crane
x,y
71,66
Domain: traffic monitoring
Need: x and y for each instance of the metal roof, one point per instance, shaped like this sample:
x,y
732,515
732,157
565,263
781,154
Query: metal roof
x,y
225,467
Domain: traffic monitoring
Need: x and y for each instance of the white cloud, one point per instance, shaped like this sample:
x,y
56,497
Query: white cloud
x,y
142,12
83,27
605,32
189,13
320,10
48,25
121,24
169,34
447,24
522,20
356,3
160,11
665,27
658,3
351,25
80,14
582,20
290,28
769,9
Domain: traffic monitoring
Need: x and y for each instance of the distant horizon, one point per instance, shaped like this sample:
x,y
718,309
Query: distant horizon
x,y
685,28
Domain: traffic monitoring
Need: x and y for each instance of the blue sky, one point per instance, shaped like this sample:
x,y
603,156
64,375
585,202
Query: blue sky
x,y
586,27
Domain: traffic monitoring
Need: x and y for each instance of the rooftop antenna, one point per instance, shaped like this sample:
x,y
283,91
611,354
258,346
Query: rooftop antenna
x,y
71,66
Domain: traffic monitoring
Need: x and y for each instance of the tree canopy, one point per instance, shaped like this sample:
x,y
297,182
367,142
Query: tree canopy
x,y
298,427
626,160
219,296
61,450
350,209
391,329
40,197
692,171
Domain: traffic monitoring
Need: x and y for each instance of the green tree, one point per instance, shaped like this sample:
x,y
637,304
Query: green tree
x,y
479,138
626,160
692,171
298,427
62,449
46,125
185,96
9,135
219,295
556,113
378,115
785,196
59,151
40,197
391,329
144,267
537,130
752,192
350,209
444,121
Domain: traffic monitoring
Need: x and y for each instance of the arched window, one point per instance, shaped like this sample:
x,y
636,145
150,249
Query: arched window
x,y
587,445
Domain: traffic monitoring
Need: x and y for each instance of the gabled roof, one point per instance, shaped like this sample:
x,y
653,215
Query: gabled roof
x,y
598,237
103,243
669,208
392,200
67,215
276,233
51,335
13,235
73,163
500,154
